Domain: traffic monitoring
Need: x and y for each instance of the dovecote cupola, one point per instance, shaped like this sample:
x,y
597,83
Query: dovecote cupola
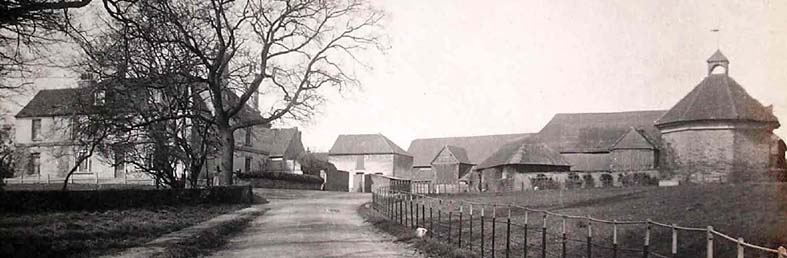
x,y
718,64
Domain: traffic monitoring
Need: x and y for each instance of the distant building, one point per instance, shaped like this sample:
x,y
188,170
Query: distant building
x,y
47,146
522,165
284,146
718,132
477,148
365,154
448,166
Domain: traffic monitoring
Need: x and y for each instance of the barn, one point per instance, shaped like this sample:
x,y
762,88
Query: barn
x,y
522,165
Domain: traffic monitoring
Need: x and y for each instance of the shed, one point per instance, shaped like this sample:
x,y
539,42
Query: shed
x,y
450,164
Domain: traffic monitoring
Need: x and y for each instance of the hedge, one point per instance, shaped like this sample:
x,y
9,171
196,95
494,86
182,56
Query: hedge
x,y
308,179
24,201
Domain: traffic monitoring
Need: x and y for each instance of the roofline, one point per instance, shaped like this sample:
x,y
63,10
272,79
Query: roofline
x,y
677,123
612,112
369,153
509,164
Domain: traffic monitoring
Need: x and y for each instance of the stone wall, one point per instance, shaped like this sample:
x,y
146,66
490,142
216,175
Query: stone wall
x,y
700,155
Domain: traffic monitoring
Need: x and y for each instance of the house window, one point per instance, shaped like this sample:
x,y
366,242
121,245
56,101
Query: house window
x,y
120,160
248,136
36,130
74,129
247,164
359,163
84,167
98,97
35,164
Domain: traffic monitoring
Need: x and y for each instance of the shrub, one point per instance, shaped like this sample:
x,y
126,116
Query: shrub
x,y
309,179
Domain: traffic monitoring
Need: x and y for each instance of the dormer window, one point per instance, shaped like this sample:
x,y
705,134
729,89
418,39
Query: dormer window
x,y
99,97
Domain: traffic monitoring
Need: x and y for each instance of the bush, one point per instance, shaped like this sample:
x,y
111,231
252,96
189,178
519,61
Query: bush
x,y
308,179
638,179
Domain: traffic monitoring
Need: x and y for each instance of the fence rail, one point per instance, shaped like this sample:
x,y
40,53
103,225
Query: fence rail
x,y
48,180
491,230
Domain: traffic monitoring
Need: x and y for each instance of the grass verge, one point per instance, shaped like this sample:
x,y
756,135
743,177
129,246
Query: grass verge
x,y
208,241
95,233
428,246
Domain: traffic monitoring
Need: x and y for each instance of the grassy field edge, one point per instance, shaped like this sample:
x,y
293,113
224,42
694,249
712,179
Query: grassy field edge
x,y
427,246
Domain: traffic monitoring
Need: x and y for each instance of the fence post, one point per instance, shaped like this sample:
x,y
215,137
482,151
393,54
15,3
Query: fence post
x,y
524,250
450,214
401,203
460,225
423,213
544,237
482,231
710,242
48,179
564,239
494,226
439,213
740,247
431,220
674,241
412,223
590,238
614,239
646,247
416,214
508,232
471,227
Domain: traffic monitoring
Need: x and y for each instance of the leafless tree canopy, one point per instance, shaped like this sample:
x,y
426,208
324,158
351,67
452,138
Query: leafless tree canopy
x,y
26,27
229,50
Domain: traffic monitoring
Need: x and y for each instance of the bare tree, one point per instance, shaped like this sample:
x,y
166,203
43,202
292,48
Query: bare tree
x,y
26,28
287,50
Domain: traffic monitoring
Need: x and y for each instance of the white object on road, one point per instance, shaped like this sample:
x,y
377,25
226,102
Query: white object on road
x,y
420,232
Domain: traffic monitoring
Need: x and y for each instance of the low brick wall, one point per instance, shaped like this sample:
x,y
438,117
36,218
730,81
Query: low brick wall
x,y
22,201
280,184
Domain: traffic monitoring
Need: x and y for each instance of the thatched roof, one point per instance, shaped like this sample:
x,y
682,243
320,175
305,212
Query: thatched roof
x,y
717,97
524,152
597,132
477,148
365,144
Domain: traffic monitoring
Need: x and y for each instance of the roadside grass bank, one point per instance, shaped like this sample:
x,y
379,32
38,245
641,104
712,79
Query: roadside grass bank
x,y
96,233
426,245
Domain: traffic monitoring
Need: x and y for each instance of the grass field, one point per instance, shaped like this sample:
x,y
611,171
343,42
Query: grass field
x,y
758,213
94,233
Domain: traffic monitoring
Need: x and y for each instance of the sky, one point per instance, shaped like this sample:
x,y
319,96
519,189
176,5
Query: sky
x,y
460,68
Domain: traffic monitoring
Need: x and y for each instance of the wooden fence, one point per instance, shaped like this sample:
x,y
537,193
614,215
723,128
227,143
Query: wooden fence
x,y
48,179
491,231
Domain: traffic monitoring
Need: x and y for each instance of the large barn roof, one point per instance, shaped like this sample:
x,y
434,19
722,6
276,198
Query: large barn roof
x,y
596,132
524,152
717,97
365,144
478,148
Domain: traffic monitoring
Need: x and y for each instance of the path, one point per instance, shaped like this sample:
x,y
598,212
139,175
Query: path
x,y
313,224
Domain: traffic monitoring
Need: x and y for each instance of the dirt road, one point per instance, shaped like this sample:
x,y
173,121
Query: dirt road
x,y
313,224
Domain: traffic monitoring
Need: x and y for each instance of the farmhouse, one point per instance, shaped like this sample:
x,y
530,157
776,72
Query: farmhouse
x,y
47,146
367,154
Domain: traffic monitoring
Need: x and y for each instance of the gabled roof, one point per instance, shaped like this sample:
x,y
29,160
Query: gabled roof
x,y
524,152
365,144
717,57
477,148
458,152
633,140
717,97
53,102
277,140
596,132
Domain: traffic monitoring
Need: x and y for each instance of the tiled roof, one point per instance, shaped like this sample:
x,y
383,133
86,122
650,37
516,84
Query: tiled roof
x,y
633,140
365,144
278,140
54,102
524,152
596,132
477,148
717,57
717,97
458,152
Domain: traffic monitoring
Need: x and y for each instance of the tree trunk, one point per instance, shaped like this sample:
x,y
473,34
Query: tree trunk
x,y
227,141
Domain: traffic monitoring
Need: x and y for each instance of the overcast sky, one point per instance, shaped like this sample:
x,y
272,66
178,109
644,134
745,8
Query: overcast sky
x,y
458,68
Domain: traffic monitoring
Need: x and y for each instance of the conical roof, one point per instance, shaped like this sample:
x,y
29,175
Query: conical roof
x,y
524,152
717,97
